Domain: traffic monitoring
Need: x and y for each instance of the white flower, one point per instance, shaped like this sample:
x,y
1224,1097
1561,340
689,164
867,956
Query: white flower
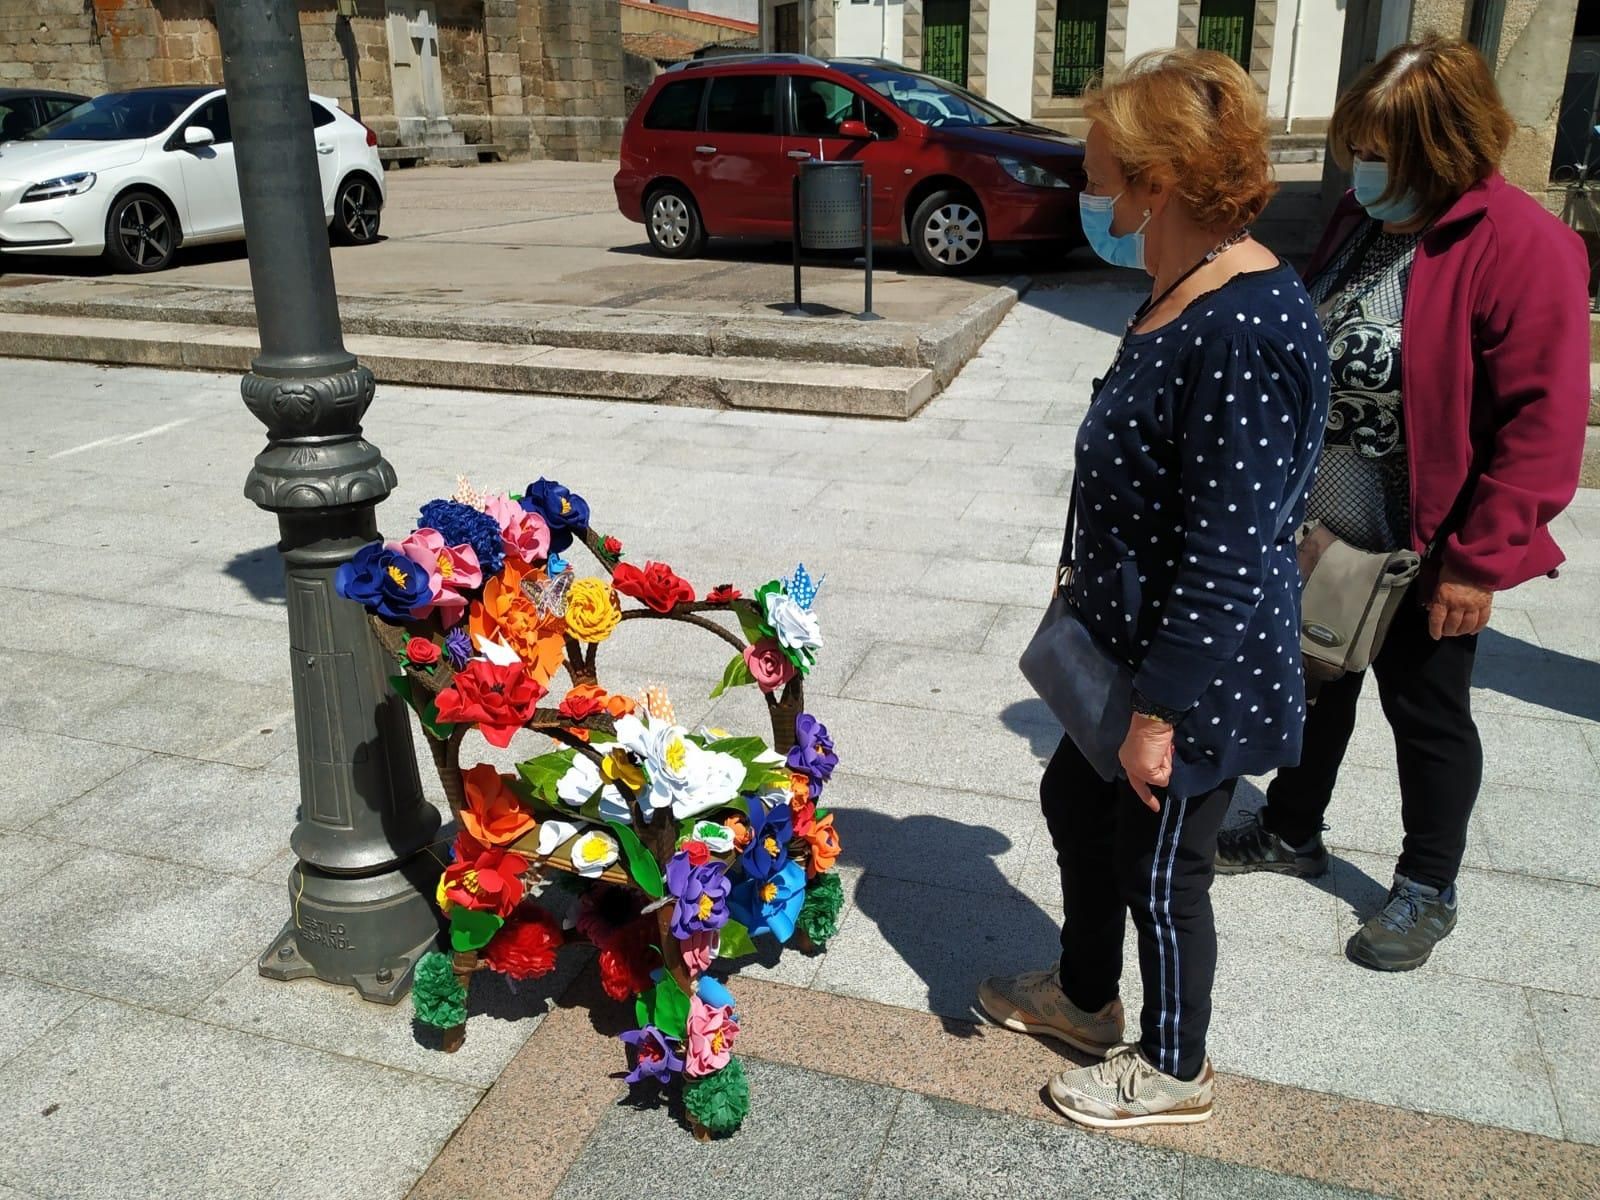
x,y
582,780
719,838
683,776
593,852
796,628
553,834
497,652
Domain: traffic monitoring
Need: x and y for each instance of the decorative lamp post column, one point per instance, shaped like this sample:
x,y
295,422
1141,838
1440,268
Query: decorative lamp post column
x,y
361,909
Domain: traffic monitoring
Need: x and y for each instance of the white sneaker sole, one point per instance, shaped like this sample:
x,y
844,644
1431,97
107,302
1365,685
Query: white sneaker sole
x,y
1193,1116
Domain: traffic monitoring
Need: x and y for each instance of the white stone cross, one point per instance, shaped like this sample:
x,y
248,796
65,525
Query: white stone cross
x,y
425,33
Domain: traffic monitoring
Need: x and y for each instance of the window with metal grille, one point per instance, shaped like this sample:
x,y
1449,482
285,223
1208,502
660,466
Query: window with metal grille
x,y
1080,45
944,39
1226,26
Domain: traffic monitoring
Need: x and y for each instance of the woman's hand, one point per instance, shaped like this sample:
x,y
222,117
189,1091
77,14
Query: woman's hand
x,y
1458,609
1146,756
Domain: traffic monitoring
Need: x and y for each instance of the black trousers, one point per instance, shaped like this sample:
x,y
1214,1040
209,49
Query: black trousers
x,y
1117,857
1426,689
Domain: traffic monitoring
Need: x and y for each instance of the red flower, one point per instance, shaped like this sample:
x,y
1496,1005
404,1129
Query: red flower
x,y
422,652
805,816
498,699
487,882
612,547
625,964
658,585
583,701
699,853
525,948
723,593
606,911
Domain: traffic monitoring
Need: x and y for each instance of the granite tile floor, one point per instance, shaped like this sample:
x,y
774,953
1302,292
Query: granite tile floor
x,y
147,757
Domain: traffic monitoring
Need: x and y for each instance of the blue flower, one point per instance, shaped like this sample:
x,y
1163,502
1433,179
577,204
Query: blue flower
x,y
383,581
770,907
458,644
461,524
564,511
771,831
714,993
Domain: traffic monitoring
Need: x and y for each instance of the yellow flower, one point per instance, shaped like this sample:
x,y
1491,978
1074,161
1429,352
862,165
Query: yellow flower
x,y
439,894
592,610
619,768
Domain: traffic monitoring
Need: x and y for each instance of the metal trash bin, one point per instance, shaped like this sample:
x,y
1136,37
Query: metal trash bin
x,y
831,211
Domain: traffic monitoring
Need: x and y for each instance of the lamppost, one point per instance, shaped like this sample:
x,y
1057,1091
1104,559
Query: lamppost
x,y
360,896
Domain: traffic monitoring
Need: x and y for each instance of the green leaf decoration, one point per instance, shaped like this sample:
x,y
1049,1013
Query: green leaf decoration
x,y
427,711
760,778
471,929
437,997
642,864
745,749
719,1101
751,621
544,772
736,675
664,1006
736,941
819,915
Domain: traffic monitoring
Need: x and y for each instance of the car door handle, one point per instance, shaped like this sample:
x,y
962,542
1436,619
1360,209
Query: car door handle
x,y
705,149
799,154
322,149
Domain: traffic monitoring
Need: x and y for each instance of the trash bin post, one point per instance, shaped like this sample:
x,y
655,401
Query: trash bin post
x,y
866,314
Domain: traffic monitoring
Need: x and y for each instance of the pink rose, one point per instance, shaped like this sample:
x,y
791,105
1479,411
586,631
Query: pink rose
x,y
768,663
523,534
698,951
710,1041
451,571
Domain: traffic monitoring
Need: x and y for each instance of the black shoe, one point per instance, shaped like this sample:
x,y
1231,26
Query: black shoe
x,y
1254,847
1402,937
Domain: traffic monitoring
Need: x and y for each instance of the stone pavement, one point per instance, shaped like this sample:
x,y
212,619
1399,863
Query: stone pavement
x,y
148,767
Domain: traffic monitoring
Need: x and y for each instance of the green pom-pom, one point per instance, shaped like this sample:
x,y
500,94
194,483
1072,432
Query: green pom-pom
x,y
721,1101
819,915
436,993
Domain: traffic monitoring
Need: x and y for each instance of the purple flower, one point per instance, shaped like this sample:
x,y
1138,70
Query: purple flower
x,y
813,751
701,894
383,581
564,511
771,830
458,645
653,1056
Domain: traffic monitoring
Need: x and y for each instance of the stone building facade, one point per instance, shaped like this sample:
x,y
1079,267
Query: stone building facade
x,y
540,78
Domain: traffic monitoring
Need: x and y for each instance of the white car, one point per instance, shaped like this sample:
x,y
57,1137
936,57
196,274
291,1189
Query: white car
x,y
134,175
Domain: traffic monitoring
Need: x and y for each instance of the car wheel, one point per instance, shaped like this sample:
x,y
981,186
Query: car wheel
x,y
948,233
141,233
673,222
357,210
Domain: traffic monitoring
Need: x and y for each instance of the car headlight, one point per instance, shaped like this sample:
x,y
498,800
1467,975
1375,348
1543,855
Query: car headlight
x,y
63,185
1029,173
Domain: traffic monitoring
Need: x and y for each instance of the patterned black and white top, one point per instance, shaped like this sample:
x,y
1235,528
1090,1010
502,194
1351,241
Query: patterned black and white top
x,y
1363,486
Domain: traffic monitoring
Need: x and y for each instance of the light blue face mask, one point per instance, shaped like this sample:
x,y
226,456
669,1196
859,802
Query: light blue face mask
x,y
1371,180
1097,213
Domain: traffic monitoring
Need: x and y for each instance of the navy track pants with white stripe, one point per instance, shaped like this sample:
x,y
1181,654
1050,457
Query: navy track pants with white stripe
x,y
1117,857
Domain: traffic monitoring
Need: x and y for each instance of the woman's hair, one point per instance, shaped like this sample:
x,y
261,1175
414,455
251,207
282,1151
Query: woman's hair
x,y
1431,110
1192,119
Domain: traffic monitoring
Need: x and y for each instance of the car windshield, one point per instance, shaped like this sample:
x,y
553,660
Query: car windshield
x,y
116,117
932,101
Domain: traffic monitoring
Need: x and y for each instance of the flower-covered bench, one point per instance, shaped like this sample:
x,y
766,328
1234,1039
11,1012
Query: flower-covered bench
x,y
685,845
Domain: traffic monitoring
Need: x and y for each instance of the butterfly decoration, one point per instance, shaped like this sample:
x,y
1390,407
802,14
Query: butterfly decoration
x,y
549,596
801,588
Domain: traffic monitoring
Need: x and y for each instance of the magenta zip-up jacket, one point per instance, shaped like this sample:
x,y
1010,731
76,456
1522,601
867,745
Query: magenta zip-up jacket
x,y
1494,359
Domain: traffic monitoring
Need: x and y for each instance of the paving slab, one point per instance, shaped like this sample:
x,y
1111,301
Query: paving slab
x,y
44,771
1569,1029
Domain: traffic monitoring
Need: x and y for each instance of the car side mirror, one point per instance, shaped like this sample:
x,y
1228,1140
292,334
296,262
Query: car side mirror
x,y
856,130
198,135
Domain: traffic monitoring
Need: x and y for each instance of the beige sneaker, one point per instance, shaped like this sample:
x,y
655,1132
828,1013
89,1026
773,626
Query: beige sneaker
x,y
1033,1002
1127,1089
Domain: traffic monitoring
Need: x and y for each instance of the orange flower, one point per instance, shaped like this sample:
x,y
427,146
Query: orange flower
x,y
799,787
824,840
740,830
493,815
620,706
507,614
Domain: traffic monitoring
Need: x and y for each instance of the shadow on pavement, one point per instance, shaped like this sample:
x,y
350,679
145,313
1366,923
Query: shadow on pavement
x,y
1033,720
261,571
1560,682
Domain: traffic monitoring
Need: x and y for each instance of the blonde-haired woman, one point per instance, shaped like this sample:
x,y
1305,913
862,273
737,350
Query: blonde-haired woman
x,y
1189,474
1457,313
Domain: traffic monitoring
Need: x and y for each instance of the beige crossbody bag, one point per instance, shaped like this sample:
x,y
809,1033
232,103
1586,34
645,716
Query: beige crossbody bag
x,y
1348,600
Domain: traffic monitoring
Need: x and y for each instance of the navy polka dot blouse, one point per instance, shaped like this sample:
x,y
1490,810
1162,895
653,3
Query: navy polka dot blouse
x,y
1189,469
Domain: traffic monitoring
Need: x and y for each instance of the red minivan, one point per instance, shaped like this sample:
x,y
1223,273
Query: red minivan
x,y
713,147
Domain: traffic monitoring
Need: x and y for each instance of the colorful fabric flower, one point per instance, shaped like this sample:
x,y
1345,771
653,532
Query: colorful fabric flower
x,y
461,524
819,915
383,581
720,1101
713,992
565,512
507,614
653,1056
493,813
610,551
629,959
451,570
723,593
525,948
458,645
437,996
770,906
709,1045
717,838
740,829
620,769
769,666
682,776
795,628
812,754
701,894
579,785
524,535
593,852
658,585
606,910
499,700
771,829
487,882
593,613
804,813
700,951
824,842
422,653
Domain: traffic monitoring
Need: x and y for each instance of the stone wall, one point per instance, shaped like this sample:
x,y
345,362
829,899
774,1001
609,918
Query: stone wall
x,y
50,43
579,67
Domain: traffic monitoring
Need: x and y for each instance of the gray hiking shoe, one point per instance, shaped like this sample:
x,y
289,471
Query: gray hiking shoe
x,y
1033,1002
1402,936
1254,847
1127,1089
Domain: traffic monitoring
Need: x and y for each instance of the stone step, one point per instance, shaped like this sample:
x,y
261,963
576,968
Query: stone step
x,y
1589,477
450,155
682,379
